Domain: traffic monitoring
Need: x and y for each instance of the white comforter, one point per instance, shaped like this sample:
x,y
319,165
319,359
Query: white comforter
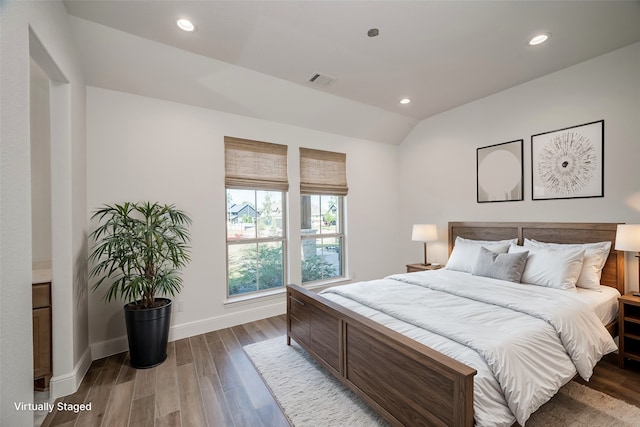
x,y
525,341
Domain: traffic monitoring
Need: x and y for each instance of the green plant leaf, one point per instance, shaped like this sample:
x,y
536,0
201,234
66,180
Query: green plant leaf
x,y
139,250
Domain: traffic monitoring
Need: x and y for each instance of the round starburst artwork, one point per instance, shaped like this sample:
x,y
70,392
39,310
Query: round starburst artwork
x,y
567,164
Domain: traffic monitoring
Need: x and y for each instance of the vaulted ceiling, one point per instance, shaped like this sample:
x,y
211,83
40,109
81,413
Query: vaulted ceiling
x,y
440,54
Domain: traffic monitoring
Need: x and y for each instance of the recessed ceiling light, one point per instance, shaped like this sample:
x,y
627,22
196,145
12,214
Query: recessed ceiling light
x,y
405,101
539,39
186,25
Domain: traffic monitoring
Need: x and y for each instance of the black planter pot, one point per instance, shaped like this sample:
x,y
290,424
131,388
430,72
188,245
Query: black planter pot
x,y
148,333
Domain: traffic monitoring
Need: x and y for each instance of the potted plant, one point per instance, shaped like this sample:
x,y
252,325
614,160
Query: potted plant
x,y
138,253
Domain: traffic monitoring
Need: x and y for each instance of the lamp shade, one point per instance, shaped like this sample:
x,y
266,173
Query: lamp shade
x,y
628,237
424,233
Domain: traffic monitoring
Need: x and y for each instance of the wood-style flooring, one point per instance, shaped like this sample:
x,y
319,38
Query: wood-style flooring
x,y
207,380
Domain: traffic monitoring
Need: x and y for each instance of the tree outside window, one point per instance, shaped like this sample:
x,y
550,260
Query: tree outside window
x,y
256,243
322,237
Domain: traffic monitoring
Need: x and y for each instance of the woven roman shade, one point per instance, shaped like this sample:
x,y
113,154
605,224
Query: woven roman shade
x,y
255,164
323,172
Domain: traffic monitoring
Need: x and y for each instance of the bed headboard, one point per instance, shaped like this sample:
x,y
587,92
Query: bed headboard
x,y
552,232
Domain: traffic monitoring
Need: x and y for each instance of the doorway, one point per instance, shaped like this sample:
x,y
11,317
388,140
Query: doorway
x,y
40,141
48,125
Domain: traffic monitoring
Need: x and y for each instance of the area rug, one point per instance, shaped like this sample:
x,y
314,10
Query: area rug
x,y
309,396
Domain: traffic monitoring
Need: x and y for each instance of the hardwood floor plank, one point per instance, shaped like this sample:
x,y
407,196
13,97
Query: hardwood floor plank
x,y
127,372
201,356
608,378
626,385
272,416
227,374
145,382
99,363
169,420
255,332
268,328
251,393
143,412
91,376
214,401
167,399
279,323
229,340
183,352
101,391
260,395
242,410
242,335
115,361
191,407
118,408
59,418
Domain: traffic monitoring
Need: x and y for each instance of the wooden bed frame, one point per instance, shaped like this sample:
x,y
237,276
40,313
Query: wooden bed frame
x,y
407,382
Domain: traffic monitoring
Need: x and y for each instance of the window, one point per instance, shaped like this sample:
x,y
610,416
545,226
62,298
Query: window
x,y
322,237
255,240
323,185
256,185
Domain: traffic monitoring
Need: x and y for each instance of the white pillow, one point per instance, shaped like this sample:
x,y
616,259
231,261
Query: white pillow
x,y
465,252
595,256
551,267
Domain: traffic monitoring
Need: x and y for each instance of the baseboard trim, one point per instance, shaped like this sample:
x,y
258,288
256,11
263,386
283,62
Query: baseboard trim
x,y
66,384
185,330
190,329
110,347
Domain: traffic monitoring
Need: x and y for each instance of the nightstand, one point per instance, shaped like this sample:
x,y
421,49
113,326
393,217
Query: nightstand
x,y
629,327
421,267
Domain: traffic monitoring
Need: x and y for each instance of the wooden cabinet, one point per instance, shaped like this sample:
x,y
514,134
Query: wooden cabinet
x,y
629,328
421,267
41,298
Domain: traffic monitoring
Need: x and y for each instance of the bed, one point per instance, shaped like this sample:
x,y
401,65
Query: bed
x,y
410,380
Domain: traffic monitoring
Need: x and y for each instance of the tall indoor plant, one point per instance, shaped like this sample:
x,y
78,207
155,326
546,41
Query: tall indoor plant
x,y
139,251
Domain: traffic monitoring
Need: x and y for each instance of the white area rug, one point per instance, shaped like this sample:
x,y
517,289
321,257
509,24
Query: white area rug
x,y
312,397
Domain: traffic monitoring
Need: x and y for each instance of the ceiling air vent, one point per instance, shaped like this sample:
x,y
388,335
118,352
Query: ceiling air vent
x,y
321,79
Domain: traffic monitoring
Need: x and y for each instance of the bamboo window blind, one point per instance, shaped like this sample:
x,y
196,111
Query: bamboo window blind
x,y
323,172
255,164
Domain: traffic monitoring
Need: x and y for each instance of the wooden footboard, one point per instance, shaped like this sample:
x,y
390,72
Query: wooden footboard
x,y
404,381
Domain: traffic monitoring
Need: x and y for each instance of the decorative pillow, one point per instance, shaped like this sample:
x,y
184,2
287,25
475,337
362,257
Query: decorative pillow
x,y
500,266
551,267
595,256
465,252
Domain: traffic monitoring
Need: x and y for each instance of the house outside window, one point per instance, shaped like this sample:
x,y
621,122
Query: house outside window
x,y
256,185
322,237
323,186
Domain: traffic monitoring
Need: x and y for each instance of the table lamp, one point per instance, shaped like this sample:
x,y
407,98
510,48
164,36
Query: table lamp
x,y
424,233
628,239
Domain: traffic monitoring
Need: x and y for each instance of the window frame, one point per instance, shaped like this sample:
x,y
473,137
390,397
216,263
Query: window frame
x,y
283,239
339,234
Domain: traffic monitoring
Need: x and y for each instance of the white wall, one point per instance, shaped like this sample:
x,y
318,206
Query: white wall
x,y
142,148
438,159
49,23
40,129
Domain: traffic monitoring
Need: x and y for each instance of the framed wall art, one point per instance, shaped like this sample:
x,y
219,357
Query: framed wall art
x,y
568,163
499,172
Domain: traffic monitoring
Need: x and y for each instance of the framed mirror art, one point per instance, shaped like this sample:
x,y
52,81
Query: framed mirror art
x,y
499,172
